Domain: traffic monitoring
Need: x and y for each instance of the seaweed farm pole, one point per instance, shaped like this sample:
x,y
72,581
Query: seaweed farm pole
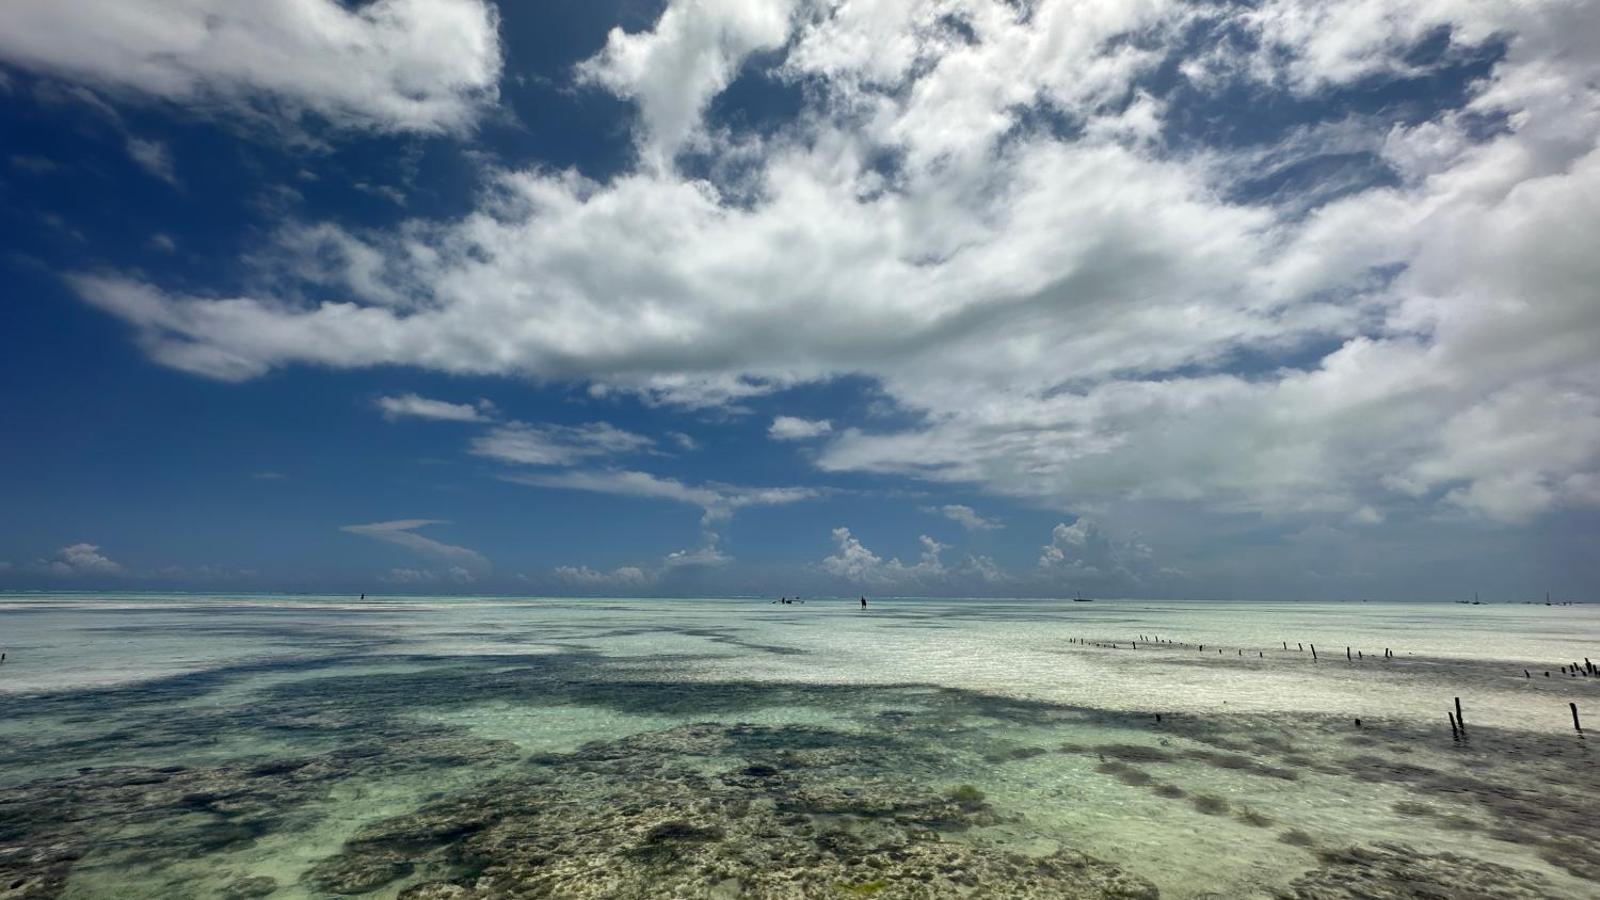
x,y
1313,652
1347,654
1455,733
1575,723
1459,717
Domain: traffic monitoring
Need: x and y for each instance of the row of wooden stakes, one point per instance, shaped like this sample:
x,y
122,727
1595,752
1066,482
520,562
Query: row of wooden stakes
x,y
1458,724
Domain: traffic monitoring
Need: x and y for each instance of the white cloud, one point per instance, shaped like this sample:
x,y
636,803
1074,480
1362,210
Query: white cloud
x,y
622,576
83,559
154,157
854,562
718,501
556,445
1086,548
707,556
791,428
403,533
37,165
452,575
684,441
966,517
163,242
390,65
1060,314
636,577
414,406
673,70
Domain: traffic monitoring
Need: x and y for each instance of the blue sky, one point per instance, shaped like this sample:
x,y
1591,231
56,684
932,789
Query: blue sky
x,y
935,297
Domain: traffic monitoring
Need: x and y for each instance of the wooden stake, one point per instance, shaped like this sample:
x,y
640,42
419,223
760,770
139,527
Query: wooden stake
x,y
1460,719
1313,652
1575,723
1455,733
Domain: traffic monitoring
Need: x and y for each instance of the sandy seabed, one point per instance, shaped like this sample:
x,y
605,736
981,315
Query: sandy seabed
x,y
260,746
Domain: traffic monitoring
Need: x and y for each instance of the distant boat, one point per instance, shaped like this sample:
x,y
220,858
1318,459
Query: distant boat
x,y
1081,599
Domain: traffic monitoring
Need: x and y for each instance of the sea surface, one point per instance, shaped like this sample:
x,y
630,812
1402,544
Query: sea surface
x,y
173,746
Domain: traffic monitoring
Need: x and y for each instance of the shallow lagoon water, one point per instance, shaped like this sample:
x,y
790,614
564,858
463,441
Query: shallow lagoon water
x,y
176,746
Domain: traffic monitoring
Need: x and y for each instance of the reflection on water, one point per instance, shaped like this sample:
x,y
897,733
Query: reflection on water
x,y
255,747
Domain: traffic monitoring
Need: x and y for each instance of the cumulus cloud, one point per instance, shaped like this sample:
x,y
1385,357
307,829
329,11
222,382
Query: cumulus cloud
x,y
402,532
693,52
83,559
966,517
791,428
556,445
622,576
453,575
637,577
854,562
1084,553
390,65
413,406
1086,548
707,556
1060,312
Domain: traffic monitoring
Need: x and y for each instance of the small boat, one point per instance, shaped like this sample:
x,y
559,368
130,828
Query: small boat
x,y
1082,599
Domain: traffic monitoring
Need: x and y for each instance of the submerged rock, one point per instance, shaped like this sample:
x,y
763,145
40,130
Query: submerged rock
x,y
1385,871
255,886
611,824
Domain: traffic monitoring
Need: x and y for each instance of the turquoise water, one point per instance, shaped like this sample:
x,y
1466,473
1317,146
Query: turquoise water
x,y
210,746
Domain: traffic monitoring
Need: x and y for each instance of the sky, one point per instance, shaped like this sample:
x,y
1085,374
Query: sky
x,y
1286,299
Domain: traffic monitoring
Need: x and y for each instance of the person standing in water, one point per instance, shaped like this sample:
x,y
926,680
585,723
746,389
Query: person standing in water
x,y
863,602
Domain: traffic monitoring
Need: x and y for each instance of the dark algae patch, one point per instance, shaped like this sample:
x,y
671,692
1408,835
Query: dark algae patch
x,y
625,819
916,801
1399,872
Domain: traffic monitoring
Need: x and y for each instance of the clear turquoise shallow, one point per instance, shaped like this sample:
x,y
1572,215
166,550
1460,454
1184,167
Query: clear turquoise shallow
x,y
165,745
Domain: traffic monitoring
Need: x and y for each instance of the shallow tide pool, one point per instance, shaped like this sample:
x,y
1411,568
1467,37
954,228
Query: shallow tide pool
x,y
267,746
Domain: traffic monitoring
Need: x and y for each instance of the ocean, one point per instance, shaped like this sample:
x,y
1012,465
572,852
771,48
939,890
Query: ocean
x,y
170,746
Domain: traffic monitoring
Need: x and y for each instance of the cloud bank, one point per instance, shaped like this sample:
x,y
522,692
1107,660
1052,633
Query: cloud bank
x,y
390,65
1012,219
